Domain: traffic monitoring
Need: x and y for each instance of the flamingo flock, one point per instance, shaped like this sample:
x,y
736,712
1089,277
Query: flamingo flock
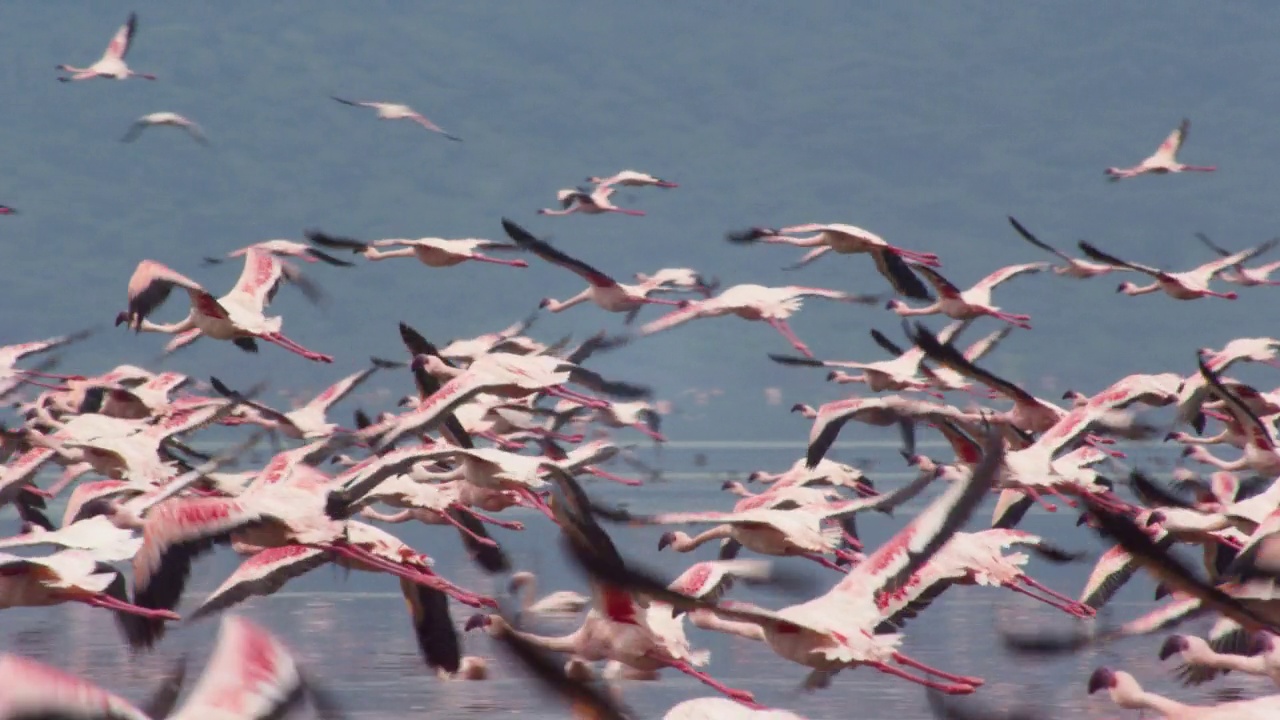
x,y
502,424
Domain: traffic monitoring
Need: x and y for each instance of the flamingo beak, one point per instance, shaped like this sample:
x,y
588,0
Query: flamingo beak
x,y
727,485
666,539
1172,646
1101,679
478,620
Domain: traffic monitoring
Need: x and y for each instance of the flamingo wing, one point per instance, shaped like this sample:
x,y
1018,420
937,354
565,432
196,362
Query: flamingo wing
x,y
898,272
1168,149
433,626
885,343
1259,432
150,285
1095,254
12,353
1222,252
260,278
710,580
526,240
944,286
334,241
1031,238
894,562
262,574
345,386
120,42
250,674
353,103
35,690
1239,258
949,356
1005,273
490,558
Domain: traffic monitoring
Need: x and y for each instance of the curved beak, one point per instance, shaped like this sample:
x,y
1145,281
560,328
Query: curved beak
x,y
666,539
727,485
476,621
1101,679
1173,645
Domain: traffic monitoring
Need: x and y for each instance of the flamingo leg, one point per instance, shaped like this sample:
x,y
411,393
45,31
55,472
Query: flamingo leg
x,y
1072,602
1070,608
824,562
537,502
418,576
899,672
53,376
502,442
291,346
1022,321
499,261
626,211
928,259
911,662
482,517
853,558
557,436
452,521
741,696
606,475
852,541
784,328
561,391
1058,493
660,301
110,603
1048,506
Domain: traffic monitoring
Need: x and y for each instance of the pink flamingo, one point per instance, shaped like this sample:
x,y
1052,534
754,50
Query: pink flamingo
x,y
237,316
430,251
1164,160
971,303
1190,285
394,111
631,178
1241,275
588,202
112,64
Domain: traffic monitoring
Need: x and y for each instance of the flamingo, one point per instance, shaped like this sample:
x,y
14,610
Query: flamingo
x,y
430,251
681,279
1164,160
772,305
631,178
237,316
588,202
890,261
1074,267
944,377
308,422
249,674
707,708
603,290
1241,275
565,602
1126,693
971,303
6,210
171,119
508,339
394,111
111,64
1189,285
11,376
284,248
1201,662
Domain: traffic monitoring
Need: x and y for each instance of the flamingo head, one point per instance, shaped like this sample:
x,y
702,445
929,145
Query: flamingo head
x,y
895,305
750,235
1083,520
1173,645
544,303
122,318
479,620
1229,295
833,375
757,474
1101,679
1155,518
666,539
1126,287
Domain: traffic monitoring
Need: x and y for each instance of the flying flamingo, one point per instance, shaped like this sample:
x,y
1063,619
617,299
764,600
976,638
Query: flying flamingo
x,y
1074,267
430,251
1241,275
772,305
890,261
1126,693
393,111
587,202
112,64
307,422
971,303
682,279
237,316
1164,160
250,671
164,118
603,290
282,249
1189,285
631,178
11,376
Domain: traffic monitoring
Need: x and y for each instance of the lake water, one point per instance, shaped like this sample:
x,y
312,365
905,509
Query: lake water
x,y
351,631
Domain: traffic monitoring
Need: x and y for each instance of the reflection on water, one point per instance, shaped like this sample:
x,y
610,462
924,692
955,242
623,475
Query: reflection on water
x,y
351,630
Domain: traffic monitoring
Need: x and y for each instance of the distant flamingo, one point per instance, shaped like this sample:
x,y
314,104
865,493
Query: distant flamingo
x,y
432,252
587,202
284,248
112,64
1190,285
164,118
631,178
974,302
1164,160
1241,275
237,316
604,291
772,305
1074,268
394,111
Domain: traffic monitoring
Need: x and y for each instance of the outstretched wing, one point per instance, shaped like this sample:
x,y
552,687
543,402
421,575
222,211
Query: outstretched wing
x,y
526,240
119,45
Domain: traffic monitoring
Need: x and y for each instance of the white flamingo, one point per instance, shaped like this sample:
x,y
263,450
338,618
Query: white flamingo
x,y
588,202
395,111
112,64
631,178
1189,285
1164,160
171,119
